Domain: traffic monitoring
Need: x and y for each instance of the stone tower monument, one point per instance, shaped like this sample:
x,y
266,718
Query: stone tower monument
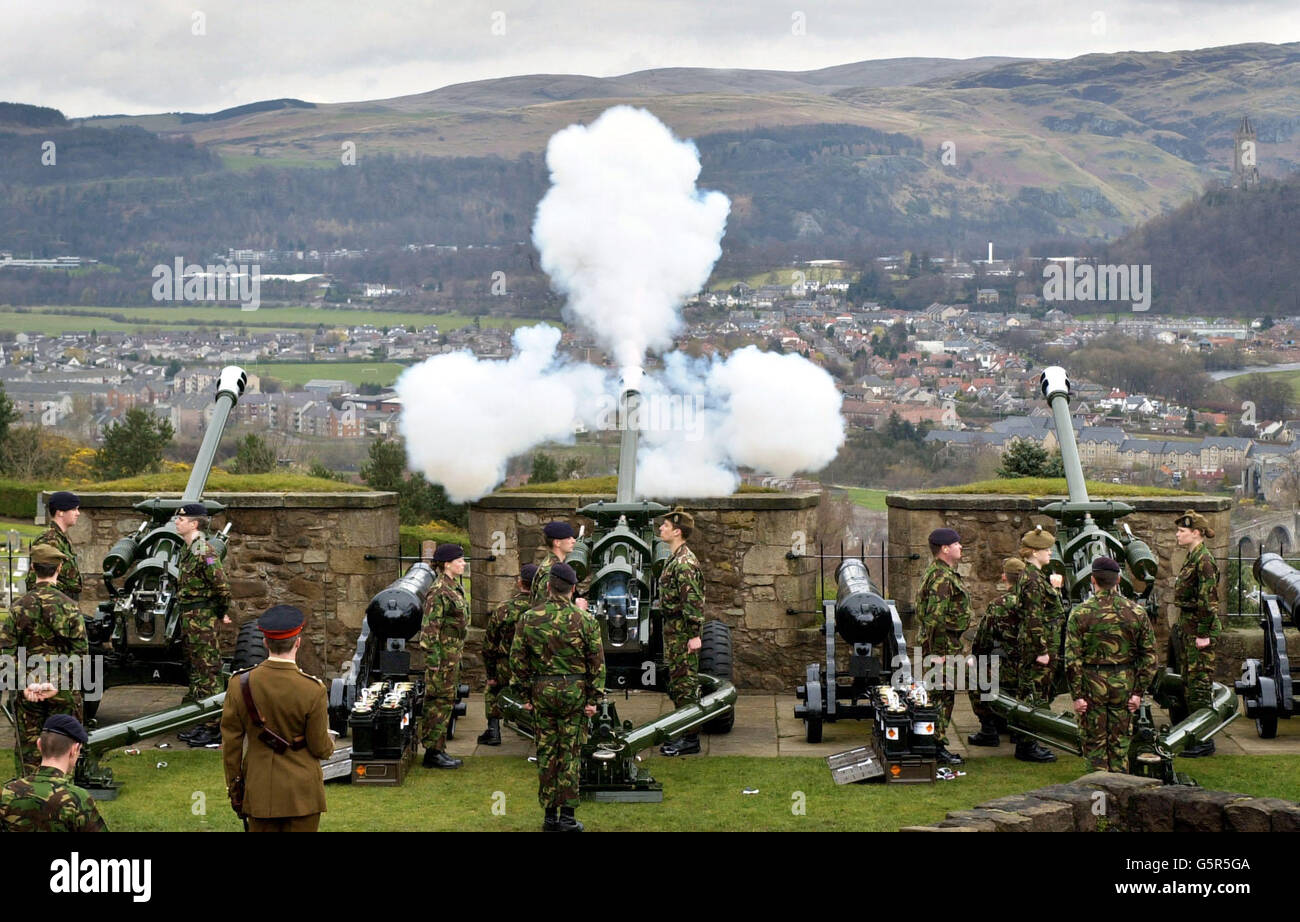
x,y
1245,168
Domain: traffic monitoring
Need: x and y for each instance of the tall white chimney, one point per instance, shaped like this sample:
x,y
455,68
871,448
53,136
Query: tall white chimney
x,y
990,252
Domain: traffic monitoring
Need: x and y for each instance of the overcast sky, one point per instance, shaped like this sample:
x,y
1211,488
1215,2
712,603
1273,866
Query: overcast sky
x,y
138,56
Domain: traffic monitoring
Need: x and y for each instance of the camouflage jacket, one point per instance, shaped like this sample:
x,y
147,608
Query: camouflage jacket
x,y
45,802
45,621
942,610
446,620
500,633
202,578
1040,613
539,591
69,574
1197,594
681,592
1109,630
557,638
1000,625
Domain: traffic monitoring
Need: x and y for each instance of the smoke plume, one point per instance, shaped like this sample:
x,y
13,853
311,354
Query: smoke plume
x,y
624,233
463,418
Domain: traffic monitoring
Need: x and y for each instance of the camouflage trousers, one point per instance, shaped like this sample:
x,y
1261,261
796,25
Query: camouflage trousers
x,y
560,724
1008,683
1105,729
202,653
1034,682
441,676
491,693
683,666
1198,672
31,716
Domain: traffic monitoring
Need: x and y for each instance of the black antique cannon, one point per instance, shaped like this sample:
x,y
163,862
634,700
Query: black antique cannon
x,y
1265,685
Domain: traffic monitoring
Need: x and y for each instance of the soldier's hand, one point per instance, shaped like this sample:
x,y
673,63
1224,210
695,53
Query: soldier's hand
x,y
1134,702
39,691
528,706
1043,660
1080,706
1202,643
581,602
1057,580
225,619
590,710
492,683
693,644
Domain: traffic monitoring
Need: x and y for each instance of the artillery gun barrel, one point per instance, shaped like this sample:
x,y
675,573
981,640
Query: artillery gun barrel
x,y
629,422
1056,388
230,387
1280,579
169,721
1202,724
861,615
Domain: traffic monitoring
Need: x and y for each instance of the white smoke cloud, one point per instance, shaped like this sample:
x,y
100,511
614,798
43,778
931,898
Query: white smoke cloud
x,y
464,418
624,233
778,414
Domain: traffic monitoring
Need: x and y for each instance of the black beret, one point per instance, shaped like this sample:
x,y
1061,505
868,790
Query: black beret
x,y
63,501
527,572
564,573
556,530
67,725
281,622
943,536
1107,564
447,553
192,509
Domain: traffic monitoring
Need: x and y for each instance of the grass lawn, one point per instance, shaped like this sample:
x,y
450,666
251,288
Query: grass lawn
x,y
1055,486
24,527
867,499
1292,378
699,794
299,373
41,319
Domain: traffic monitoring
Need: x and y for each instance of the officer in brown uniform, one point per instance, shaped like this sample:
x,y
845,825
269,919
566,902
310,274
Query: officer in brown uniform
x,y
282,714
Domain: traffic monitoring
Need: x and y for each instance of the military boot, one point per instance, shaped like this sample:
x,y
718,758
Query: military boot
x,y
687,745
440,759
492,735
552,821
1029,750
204,736
567,822
944,757
987,735
1198,750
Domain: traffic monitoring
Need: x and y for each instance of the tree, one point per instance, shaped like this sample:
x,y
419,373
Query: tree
x,y
1270,395
385,468
574,468
1026,458
32,453
324,473
544,469
1190,423
253,456
418,500
8,416
133,446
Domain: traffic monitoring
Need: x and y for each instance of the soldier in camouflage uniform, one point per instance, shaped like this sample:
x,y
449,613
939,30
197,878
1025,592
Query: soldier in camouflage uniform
x,y
203,597
442,638
1196,594
64,509
44,623
47,801
560,539
1042,617
497,637
942,616
681,604
1110,660
557,668
998,630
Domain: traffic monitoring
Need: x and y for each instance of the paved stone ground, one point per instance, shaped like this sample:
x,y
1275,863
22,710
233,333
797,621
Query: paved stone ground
x,y
765,726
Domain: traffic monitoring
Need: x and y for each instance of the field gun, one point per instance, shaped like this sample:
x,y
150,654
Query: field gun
x,y
1265,685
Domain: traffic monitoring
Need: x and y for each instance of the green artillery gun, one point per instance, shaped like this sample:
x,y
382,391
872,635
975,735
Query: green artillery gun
x,y
137,630
1265,684
623,558
1087,530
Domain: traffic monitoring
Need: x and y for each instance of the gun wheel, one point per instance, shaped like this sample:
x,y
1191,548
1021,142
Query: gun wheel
x,y
250,648
812,730
1266,727
715,660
